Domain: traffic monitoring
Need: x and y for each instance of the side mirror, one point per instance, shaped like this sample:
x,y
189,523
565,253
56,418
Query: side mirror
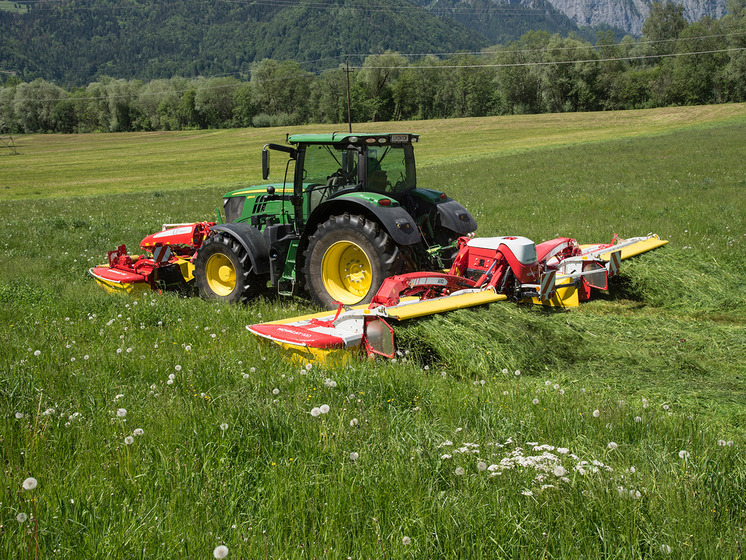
x,y
265,163
378,338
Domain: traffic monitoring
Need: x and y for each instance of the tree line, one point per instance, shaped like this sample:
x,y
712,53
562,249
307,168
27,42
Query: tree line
x,y
673,63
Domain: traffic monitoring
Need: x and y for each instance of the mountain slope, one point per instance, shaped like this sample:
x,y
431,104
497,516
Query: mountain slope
x,y
74,42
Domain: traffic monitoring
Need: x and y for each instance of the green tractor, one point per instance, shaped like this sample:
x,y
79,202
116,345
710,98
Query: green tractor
x,y
347,215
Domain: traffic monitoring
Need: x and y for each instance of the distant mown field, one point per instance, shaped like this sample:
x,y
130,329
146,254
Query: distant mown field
x,y
160,428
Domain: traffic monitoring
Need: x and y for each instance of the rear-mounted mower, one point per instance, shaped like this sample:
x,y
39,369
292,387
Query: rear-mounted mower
x,y
554,273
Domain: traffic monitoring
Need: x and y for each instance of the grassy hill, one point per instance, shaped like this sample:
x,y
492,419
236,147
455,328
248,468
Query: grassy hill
x,y
615,429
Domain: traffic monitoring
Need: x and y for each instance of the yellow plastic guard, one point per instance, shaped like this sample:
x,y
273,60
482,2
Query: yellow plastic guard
x,y
564,296
440,305
123,287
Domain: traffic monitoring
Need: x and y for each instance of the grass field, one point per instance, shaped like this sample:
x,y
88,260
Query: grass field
x,y
160,428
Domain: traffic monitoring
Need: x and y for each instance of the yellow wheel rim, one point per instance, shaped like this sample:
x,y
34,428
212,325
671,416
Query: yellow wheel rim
x,y
346,272
221,274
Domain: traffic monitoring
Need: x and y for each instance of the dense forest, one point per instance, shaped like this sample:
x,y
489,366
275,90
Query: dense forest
x,y
75,42
674,62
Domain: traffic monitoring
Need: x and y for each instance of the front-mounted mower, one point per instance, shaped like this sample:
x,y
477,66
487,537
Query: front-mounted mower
x,y
347,215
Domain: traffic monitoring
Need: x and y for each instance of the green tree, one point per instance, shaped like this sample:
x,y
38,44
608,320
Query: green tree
x,y
214,100
662,27
734,73
33,105
700,79
281,88
376,79
244,108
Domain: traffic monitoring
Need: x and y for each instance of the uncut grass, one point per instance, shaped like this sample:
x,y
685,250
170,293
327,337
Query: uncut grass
x,y
280,483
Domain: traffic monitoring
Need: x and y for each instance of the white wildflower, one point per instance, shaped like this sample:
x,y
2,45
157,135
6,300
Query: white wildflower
x,y
220,551
324,408
30,483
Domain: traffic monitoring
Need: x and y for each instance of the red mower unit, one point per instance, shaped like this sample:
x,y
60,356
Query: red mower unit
x,y
167,264
559,272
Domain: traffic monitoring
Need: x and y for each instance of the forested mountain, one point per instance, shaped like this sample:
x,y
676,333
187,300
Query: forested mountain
x,y
75,41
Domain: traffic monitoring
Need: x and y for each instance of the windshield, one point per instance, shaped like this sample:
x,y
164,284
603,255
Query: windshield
x,y
330,166
391,168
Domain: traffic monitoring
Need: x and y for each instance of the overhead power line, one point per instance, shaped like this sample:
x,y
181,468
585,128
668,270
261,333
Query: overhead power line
x,y
543,63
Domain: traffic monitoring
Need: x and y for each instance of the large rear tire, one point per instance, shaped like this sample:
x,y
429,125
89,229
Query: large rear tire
x,y
223,270
347,259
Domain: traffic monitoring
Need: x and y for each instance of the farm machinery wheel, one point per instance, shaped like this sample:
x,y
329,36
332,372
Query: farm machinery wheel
x,y
223,270
347,259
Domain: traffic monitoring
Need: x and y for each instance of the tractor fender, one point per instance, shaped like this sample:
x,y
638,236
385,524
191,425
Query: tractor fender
x,y
455,217
394,219
252,240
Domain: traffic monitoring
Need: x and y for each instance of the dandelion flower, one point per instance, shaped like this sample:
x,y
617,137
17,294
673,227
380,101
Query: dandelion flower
x,y
517,372
30,483
459,471
354,423
612,445
129,440
177,367
354,455
535,401
665,549
121,412
170,382
324,408
220,551
559,470
638,419
37,352
223,426
275,391
683,454
19,415
596,413
406,541
172,376
138,432
21,517
481,466
315,411
547,383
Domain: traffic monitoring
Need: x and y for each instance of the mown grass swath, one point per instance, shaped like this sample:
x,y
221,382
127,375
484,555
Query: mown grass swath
x,y
614,430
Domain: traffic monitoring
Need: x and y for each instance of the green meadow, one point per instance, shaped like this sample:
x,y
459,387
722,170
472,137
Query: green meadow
x,y
159,427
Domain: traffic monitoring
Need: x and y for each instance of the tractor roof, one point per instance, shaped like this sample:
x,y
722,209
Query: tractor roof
x,y
356,138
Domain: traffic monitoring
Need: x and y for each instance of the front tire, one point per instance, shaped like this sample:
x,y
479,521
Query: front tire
x,y
347,259
223,270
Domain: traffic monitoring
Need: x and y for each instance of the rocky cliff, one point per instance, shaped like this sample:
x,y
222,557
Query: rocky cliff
x,y
629,15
